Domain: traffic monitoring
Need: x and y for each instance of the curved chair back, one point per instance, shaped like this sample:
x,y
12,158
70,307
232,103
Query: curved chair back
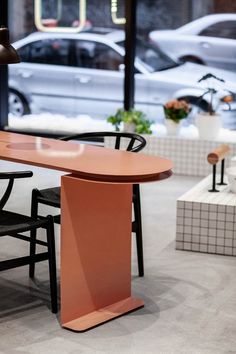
x,y
134,142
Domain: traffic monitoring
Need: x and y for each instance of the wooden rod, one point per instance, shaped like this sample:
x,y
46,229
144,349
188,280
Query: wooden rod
x,y
218,154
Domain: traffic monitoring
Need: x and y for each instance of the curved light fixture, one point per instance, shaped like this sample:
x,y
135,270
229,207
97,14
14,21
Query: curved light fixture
x,y
41,27
8,54
114,10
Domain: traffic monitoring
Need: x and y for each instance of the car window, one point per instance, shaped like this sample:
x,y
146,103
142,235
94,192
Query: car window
x,y
95,55
224,29
48,51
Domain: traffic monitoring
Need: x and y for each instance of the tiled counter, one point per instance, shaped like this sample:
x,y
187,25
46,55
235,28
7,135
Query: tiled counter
x,y
188,155
206,222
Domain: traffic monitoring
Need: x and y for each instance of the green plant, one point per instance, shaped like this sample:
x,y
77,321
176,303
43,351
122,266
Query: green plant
x,y
138,118
211,91
176,110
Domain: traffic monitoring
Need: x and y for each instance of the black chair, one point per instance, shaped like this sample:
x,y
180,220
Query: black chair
x,y
51,196
12,224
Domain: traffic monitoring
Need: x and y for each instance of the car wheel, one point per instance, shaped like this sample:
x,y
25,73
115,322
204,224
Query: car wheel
x,y
18,105
192,59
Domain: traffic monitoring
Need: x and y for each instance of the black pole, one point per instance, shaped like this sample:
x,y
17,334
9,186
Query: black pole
x,y
3,72
222,183
130,44
213,180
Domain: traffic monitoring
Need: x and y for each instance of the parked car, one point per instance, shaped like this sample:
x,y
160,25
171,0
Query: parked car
x,y
209,40
83,74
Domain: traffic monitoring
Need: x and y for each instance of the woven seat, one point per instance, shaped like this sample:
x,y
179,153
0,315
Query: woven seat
x,y
12,224
51,196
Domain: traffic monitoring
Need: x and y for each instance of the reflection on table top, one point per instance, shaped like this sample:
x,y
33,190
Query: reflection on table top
x,y
83,160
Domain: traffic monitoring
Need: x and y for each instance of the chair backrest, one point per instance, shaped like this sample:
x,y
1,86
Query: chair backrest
x,y
11,176
133,142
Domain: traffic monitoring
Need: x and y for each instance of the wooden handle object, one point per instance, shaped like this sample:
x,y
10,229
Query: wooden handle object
x,y
218,154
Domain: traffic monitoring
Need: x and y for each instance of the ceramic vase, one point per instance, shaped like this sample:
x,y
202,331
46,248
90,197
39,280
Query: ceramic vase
x,y
208,125
129,127
172,127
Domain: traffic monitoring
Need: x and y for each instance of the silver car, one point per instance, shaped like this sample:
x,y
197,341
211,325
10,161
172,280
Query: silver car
x,y
209,40
83,74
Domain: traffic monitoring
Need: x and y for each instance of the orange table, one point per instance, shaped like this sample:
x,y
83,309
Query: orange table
x,y
96,211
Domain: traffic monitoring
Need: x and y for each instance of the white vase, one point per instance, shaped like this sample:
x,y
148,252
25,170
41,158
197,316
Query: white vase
x,y
129,127
172,127
208,125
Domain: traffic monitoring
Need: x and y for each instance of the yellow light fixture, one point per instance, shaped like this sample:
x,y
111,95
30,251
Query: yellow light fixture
x,y
41,26
114,10
8,54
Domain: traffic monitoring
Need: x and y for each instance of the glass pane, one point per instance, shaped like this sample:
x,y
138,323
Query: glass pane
x,y
225,29
66,81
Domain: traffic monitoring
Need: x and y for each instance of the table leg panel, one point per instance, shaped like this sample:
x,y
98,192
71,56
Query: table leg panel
x,y
95,246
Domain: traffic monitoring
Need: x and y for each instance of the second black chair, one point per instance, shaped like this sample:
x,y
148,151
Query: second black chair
x,y
51,196
13,224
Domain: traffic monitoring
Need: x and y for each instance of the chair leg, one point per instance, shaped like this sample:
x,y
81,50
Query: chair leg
x,y
52,264
33,233
138,229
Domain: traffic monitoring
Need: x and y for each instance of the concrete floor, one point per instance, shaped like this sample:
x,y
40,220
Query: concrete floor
x,y
190,298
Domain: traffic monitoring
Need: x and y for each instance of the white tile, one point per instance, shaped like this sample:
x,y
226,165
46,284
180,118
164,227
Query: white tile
x,y
211,249
203,248
229,226
196,222
212,216
203,231
229,233
188,221
220,225
180,220
196,214
228,251
187,238
220,233
230,217
195,247
204,223
179,237
212,232
229,242
203,239
220,249
180,228
180,212
187,229
220,241
187,246
179,245
187,213
196,238
221,216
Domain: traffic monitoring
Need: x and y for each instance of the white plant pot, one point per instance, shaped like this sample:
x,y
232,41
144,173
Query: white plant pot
x,y
208,125
129,127
172,127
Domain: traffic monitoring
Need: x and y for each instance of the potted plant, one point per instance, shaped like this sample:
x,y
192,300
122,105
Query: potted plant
x,y
175,111
133,121
209,122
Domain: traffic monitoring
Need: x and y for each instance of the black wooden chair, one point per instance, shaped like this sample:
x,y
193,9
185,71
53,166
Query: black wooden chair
x,y
13,224
51,196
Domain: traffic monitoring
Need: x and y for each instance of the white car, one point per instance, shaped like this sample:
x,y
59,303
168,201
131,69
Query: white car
x,y
84,74
209,40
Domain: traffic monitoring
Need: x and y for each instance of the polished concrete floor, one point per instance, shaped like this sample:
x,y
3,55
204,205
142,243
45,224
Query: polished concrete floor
x,y
190,298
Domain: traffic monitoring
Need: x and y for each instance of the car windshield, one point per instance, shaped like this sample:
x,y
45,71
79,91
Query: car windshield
x,y
152,57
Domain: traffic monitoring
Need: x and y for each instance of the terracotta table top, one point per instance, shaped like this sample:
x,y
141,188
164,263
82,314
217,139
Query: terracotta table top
x,y
83,160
